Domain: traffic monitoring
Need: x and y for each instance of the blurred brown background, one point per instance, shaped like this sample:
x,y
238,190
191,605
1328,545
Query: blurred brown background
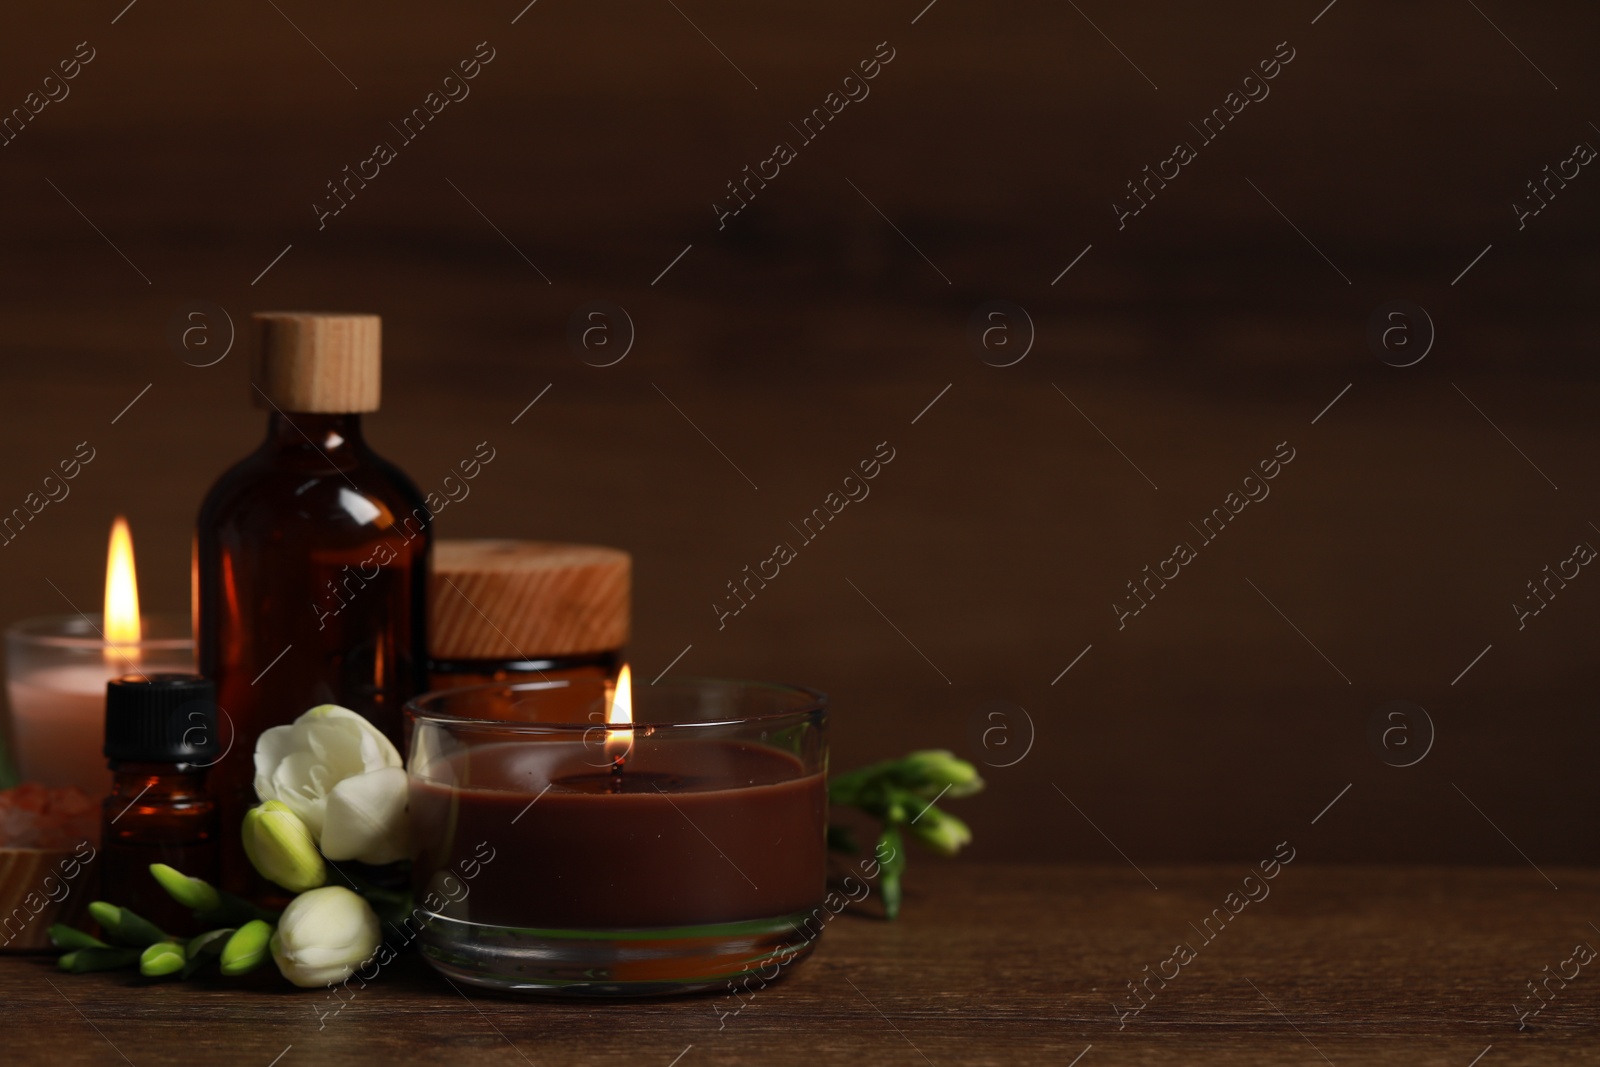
x,y
810,329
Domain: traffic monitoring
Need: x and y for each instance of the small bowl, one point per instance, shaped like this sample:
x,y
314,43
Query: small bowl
x,y
40,887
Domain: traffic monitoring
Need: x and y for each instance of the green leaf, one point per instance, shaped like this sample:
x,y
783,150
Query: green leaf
x,y
161,959
124,927
63,936
97,959
247,948
204,949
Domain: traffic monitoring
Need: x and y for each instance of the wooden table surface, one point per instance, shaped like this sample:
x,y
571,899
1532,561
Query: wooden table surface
x,y
989,964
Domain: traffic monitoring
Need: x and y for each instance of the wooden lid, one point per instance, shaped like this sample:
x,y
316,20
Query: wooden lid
x,y
315,361
526,599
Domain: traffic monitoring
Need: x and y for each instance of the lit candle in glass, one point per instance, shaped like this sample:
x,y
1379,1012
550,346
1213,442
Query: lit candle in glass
x,y
665,841
57,669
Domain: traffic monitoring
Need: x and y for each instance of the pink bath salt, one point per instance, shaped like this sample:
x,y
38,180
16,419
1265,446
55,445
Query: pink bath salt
x,y
34,816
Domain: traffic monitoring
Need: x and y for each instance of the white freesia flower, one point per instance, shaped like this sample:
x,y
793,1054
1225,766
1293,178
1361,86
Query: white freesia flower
x,y
366,818
324,935
343,778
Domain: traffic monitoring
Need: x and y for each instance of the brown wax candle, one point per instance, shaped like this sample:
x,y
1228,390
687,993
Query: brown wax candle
x,y
692,832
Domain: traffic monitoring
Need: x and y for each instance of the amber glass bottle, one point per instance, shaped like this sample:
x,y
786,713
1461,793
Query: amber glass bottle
x,y
310,557
160,737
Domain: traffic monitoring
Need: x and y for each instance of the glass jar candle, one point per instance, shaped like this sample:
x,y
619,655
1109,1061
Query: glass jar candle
x,y
675,846
57,668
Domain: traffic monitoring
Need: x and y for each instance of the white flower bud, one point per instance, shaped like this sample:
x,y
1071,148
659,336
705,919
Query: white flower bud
x,y
324,935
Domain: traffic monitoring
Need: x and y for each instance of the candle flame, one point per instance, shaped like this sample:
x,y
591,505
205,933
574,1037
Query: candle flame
x,y
122,633
619,742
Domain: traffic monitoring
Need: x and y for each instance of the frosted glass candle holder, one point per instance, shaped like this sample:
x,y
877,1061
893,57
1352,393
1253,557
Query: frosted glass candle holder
x,y
57,668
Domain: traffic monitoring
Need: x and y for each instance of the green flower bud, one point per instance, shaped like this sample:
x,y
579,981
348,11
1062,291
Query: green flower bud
x,y
192,893
97,959
161,959
123,926
939,771
281,847
247,948
64,936
945,834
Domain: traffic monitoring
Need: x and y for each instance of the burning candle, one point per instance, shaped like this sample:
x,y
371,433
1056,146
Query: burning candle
x,y
122,626
619,725
57,669
658,850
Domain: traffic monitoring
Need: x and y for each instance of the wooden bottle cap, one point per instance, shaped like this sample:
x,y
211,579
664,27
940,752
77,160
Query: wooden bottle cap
x,y
318,362
499,600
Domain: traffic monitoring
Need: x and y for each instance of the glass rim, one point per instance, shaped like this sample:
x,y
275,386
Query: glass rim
x,y
815,704
52,631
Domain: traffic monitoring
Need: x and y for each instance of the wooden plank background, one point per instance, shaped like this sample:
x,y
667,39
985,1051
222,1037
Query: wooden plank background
x,y
832,310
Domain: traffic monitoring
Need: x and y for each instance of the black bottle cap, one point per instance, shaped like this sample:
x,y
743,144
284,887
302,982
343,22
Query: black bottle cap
x,y
161,718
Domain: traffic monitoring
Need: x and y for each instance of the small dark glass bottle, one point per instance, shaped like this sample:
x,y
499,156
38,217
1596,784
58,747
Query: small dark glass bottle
x,y
310,558
161,735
